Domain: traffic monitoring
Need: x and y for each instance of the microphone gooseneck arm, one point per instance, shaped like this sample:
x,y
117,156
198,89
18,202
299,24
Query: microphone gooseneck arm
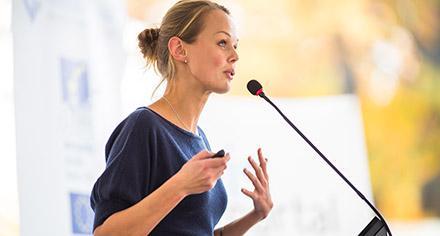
x,y
261,94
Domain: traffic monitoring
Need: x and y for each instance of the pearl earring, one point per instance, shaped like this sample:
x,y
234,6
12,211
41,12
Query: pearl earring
x,y
186,61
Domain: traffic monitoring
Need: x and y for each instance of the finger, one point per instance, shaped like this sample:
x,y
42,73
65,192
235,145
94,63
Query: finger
x,y
220,173
248,193
218,162
258,170
204,154
254,180
263,164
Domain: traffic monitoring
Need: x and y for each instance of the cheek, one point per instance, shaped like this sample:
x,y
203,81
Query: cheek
x,y
209,64
217,60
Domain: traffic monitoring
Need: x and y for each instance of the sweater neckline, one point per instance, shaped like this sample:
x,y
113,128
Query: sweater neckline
x,y
174,125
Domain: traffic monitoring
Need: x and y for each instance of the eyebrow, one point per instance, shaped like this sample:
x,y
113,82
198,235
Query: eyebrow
x,y
222,31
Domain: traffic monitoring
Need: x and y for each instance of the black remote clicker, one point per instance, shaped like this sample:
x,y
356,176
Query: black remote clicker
x,y
220,153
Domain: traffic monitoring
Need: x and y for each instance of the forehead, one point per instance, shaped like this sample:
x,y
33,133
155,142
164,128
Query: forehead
x,y
216,21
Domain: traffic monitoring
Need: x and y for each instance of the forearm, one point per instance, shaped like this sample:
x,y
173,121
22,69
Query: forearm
x,y
240,226
141,218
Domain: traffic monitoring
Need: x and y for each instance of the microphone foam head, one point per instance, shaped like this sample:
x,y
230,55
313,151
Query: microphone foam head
x,y
254,87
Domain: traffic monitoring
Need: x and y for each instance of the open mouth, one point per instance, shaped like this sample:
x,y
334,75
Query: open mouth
x,y
230,74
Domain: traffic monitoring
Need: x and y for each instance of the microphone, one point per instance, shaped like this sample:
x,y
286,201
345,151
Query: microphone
x,y
255,88
376,226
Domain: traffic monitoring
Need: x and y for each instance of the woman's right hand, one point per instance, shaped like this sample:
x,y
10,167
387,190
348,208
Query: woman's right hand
x,y
201,172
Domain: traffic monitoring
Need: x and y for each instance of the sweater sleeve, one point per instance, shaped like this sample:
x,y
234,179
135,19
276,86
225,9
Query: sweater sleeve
x,y
124,181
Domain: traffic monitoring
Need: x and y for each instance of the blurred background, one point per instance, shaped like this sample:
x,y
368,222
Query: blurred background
x,y
386,52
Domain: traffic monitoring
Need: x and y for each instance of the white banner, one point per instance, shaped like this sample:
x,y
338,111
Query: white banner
x,y
68,62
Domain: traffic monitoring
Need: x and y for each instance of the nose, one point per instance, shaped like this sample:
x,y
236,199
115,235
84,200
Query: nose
x,y
234,57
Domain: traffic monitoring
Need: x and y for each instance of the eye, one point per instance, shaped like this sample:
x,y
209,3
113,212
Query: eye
x,y
222,43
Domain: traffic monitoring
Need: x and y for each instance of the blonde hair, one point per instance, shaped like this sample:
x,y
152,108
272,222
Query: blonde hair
x,y
185,19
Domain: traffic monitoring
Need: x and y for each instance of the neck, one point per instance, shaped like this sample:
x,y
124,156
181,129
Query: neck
x,y
187,101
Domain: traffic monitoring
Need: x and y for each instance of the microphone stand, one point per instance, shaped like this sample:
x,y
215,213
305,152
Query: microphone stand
x,y
376,227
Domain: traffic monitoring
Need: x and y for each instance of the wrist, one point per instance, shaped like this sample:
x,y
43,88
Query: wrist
x,y
178,185
256,216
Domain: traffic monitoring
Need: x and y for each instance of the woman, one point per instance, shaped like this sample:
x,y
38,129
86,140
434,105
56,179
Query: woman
x,y
160,177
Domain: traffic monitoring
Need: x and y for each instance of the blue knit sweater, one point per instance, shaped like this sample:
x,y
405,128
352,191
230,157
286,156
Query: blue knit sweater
x,y
143,152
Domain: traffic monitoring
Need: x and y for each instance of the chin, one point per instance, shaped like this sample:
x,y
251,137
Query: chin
x,y
222,90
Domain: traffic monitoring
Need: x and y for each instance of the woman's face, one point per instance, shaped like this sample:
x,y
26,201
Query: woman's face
x,y
212,57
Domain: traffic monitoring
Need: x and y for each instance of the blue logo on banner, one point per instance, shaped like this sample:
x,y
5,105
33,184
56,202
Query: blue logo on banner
x,y
82,213
74,81
32,7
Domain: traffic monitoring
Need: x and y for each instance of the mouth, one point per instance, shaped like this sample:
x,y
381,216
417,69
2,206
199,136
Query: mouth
x,y
230,74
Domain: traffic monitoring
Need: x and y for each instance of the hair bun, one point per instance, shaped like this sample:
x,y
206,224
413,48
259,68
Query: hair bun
x,y
148,43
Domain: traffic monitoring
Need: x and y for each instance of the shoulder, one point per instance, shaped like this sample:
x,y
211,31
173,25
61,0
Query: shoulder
x,y
141,115
136,126
140,120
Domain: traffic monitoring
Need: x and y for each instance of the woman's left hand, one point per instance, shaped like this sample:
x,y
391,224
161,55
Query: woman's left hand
x,y
261,194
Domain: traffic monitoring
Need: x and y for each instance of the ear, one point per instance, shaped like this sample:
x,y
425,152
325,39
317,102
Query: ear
x,y
176,48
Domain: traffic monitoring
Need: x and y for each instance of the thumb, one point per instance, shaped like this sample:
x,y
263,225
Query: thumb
x,y
202,155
